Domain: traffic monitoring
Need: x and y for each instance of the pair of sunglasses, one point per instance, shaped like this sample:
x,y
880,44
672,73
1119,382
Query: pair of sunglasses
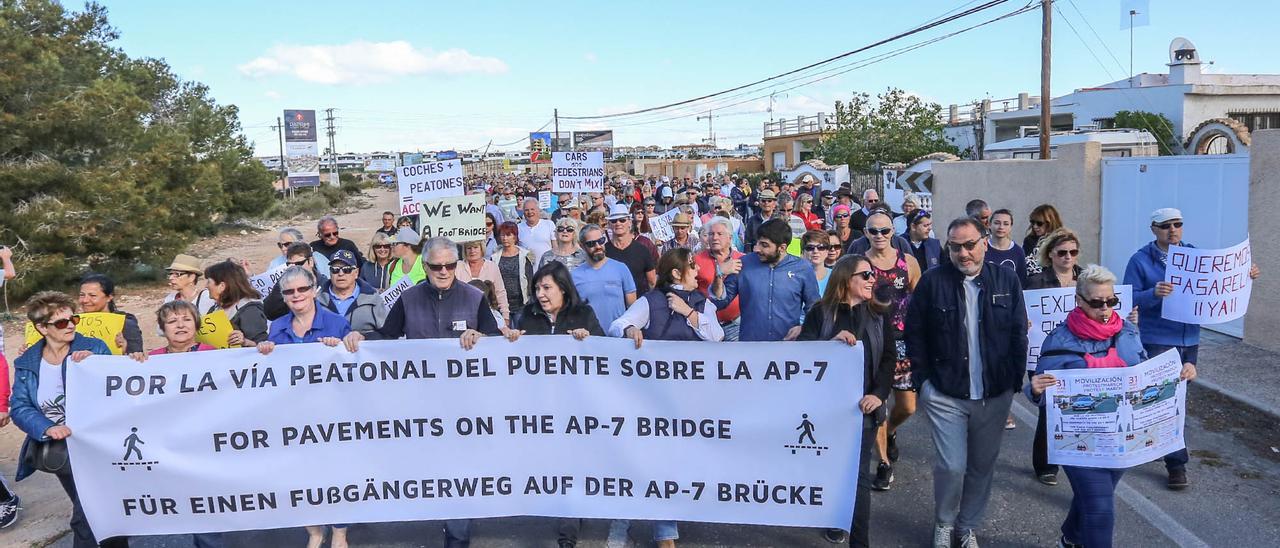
x,y
1111,302
879,231
63,323
438,267
290,292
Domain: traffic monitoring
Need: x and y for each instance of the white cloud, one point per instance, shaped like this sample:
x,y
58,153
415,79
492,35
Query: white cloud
x,y
272,94
366,62
590,57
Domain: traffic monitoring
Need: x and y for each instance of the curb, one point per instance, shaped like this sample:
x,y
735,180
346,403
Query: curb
x,y
1241,399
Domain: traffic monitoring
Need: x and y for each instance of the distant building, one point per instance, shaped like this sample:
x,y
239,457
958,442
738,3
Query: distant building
x,y
1210,113
789,142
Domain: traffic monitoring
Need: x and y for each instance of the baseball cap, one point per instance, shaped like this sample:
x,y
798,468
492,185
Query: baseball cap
x,y
1165,214
344,256
406,236
619,211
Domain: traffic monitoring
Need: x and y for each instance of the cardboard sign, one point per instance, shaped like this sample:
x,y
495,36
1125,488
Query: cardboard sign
x,y
215,327
460,219
392,294
661,227
577,171
267,280
104,326
1209,285
423,182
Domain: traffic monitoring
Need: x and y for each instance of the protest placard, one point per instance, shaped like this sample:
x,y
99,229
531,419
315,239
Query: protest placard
x,y
267,280
1209,285
214,329
1116,417
544,200
661,228
577,172
104,326
1046,308
460,218
546,426
392,294
423,182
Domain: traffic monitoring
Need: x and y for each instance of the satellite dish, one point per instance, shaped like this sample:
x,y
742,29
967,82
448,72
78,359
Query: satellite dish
x,y
1183,52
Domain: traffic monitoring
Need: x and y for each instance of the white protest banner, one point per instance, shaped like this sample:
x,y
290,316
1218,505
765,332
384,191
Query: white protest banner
x,y
392,294
413,430
1209,285
1116,417
1046,308
544,200
267,280
660,227
577,171
422,182
460,218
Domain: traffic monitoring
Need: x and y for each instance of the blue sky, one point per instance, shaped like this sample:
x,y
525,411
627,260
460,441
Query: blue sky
x,y
433,76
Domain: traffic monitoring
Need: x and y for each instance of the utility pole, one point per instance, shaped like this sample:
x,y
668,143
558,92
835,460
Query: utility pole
x,y
333,151
1132,13
711,134
284,175
1046,50
555,143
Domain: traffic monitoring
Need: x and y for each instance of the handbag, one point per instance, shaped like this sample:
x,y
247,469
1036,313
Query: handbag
x,y
49,456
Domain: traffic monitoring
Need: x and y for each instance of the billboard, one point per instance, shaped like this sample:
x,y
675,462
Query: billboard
x,y
411,158
588,141
302,152
540,147
381,165
447,155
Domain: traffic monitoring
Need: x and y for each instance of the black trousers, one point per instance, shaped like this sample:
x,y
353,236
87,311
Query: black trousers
x,y
860,529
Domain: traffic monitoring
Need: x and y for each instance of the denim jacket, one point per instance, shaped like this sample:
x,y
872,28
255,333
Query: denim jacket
x,y
24,404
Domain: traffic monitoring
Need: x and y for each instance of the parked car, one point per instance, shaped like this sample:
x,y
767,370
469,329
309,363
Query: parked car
x,y
1084,403
1150,394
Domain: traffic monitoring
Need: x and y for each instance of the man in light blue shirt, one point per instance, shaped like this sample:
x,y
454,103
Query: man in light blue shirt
x,y
604,283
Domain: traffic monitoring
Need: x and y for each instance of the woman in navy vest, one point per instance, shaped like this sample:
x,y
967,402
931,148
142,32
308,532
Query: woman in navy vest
x,y
673,311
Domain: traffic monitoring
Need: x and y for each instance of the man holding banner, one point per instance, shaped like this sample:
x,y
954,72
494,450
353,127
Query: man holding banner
x,y
1146,273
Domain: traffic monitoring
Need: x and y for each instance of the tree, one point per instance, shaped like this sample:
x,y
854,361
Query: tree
x,y
107,162
897,127
1156,124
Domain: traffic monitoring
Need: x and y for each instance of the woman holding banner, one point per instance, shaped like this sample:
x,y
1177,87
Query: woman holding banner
x,y
236,298
556,308
1093,336
849,312
39,407
98,294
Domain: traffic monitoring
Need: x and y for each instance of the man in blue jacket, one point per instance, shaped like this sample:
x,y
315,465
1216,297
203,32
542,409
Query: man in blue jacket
x,y
776,288
1145,272
966,335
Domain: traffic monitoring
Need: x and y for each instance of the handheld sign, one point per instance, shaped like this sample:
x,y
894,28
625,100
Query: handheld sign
x,y
214,329
267,280
104,326
544,199
1046,308
423,182
577,171
460,219
392,294
661,226
1209,285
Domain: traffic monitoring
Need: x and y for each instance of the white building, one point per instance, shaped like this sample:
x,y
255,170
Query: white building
x,y
1210,113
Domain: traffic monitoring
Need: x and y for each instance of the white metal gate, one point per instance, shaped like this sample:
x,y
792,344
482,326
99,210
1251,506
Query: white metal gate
x,y
1211,191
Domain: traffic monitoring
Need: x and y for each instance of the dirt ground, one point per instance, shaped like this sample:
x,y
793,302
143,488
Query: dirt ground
x,y
46,509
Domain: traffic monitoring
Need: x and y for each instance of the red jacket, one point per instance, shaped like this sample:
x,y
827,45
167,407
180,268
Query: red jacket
x,y
811,220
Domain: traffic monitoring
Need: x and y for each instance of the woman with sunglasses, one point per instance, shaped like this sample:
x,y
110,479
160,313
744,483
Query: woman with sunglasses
x,y
491,244
564,248
515,264
814,248
850,312
307,323
39,396
289,236
98,294
841,215
1093,336
376,272
231,292
640,219
1043,220
896,275
475,266
804,210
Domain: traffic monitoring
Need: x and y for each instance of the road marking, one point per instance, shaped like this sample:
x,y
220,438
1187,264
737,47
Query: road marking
x,y
1149,510
618,533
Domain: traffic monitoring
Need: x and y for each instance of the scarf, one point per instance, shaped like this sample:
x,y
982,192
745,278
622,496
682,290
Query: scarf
x,y
1087,329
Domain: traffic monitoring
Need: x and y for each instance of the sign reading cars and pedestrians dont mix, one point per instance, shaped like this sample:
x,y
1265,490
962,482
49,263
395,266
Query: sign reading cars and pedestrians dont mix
x,y
1047,308
1116,417
577,172
460,218
423,182
729,432
1209,285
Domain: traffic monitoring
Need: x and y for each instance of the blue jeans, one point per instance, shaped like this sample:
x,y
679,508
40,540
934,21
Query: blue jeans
x,y
1177,460
457,533
665,530
1093,505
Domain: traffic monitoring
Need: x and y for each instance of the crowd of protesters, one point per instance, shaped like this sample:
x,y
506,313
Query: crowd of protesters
x,y
941,316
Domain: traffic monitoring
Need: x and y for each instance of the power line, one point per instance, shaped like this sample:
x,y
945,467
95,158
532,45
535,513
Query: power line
x,y
916,30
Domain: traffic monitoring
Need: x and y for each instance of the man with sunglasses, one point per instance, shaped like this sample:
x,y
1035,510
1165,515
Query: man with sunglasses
x,y
348,296
768,203
966,335
1145,272
330,242
603,282
870,199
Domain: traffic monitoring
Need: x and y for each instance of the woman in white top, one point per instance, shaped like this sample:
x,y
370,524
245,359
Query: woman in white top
x,y
184,279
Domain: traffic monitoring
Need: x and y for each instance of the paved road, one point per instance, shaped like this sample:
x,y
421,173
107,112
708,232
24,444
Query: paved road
x,y
1234,501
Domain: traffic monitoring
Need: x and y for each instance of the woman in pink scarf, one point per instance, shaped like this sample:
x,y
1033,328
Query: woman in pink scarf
x,y
1094,336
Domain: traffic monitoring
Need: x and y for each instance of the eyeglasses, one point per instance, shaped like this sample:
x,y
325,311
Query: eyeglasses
x,y
812,248
1038,224
439,267
283,245
866,275
968,246
618,221
595,243
341,269
382,246
487,224
333,234
1063,253
1111,302
298,290
63,323
879,231
763,200
565,229
1167,226
871,201
177,273
297,263
843,215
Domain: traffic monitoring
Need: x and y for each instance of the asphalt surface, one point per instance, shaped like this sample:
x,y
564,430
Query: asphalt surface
x,y
1234,500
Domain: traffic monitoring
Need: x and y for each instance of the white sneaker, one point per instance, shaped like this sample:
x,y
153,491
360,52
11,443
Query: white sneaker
x,y
942,535
969,539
